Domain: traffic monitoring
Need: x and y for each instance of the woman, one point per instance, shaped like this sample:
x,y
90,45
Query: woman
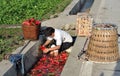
x,y
60,40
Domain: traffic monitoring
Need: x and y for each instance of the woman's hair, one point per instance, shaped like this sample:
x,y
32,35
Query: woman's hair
x,y
48,31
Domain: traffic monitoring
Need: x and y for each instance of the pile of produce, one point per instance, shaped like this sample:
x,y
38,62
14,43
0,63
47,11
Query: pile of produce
x,y
49,65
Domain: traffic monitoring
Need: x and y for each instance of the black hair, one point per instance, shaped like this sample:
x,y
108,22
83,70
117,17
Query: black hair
x,y
48,31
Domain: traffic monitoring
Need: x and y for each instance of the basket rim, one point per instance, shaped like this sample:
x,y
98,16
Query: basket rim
x,y
101,26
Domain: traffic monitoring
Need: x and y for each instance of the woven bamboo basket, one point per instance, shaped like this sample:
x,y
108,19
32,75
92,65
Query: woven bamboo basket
x,y
31,32
103,44
84,24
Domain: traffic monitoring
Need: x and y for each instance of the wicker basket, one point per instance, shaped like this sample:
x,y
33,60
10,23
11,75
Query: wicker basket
x,y
31,32
84,24
103,44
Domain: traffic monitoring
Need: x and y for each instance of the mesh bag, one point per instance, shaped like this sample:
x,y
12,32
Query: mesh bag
x,y
84,24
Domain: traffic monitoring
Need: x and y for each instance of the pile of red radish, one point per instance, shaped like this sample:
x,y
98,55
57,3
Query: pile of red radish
x,y
50,65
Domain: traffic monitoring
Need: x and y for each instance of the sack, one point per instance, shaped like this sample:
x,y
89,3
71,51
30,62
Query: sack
x,y
84,24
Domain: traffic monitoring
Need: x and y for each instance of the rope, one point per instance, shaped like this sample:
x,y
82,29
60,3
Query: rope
x,y
22,65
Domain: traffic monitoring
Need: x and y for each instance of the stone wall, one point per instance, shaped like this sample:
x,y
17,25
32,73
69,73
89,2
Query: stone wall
x,y
30,57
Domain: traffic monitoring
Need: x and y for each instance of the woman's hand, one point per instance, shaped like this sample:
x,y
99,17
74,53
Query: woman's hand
x,y
46,50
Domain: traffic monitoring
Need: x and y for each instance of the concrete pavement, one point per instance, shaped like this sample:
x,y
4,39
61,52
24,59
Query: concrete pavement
x,y
103,11
108,12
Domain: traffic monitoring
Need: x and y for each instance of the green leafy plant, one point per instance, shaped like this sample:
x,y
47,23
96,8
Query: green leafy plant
x,y
16,11
10,40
